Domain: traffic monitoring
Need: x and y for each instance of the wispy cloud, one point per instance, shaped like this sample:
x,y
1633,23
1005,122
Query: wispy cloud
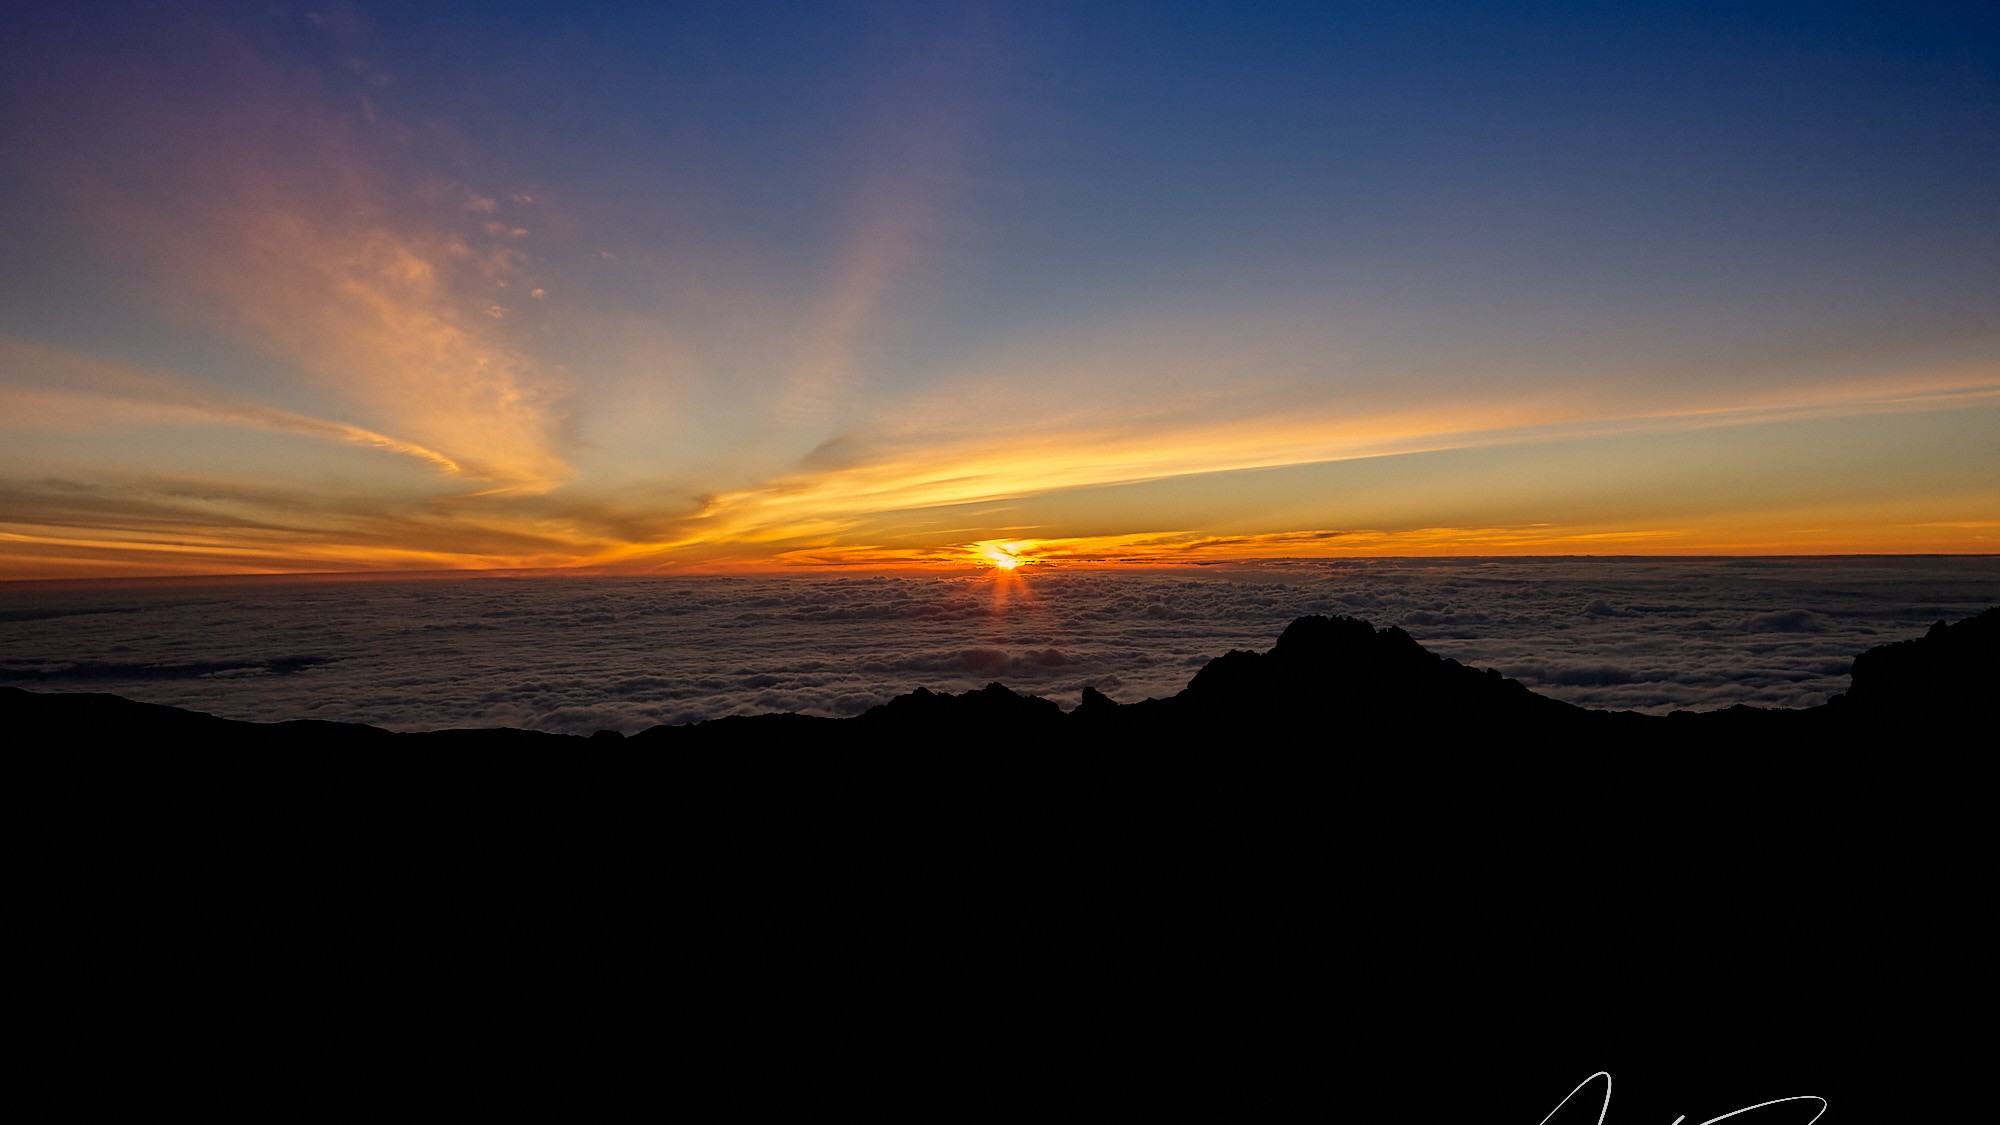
x,y
392,323
265,210
420,509
48,389
855,483
153,523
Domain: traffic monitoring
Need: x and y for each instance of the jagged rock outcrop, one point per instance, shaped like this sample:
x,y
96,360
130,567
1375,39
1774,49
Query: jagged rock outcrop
x,y
1951,668
967,714
1343,671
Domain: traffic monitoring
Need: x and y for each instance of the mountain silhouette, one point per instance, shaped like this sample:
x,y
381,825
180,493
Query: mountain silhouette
x,y
1344,874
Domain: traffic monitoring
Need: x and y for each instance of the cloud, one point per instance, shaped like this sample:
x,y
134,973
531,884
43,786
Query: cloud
x,y
1585,675
263,211
1787,621
580,654
923,476
152,523
49,389
390,320
58,675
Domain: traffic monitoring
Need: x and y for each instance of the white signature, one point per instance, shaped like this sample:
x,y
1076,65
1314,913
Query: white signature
x,y
1606,1107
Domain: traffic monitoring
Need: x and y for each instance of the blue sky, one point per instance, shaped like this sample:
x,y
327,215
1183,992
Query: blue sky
x,y
307,287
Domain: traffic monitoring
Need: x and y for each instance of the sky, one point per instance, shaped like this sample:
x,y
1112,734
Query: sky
x,y
305,287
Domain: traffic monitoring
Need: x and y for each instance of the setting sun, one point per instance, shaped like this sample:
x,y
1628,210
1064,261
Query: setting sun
x,y
1005,555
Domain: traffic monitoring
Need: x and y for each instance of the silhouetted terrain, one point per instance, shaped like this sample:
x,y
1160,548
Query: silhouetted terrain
x,y
1344,876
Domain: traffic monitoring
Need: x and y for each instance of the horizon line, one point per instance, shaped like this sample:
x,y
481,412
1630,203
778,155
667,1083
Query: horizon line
x,y
877,569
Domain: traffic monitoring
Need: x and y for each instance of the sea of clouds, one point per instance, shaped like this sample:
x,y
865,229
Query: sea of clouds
x,y
583,654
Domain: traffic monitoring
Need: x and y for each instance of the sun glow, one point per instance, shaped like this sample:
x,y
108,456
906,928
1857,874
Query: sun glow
x,y
1001,555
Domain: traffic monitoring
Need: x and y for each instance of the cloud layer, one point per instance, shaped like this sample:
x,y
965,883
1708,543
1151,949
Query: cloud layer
x,y
577,655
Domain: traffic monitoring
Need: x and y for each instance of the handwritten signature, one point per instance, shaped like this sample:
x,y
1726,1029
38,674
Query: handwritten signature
x,y
1606,1106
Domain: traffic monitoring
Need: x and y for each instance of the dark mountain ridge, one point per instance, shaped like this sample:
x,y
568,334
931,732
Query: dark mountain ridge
x,y
1345,873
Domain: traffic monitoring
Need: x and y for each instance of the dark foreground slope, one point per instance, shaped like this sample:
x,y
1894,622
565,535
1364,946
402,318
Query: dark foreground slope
x,y
1345,877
